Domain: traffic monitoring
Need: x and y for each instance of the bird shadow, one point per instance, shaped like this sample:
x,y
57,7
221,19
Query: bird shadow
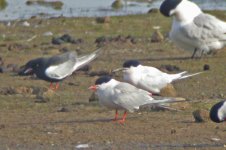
x,y
167,58
85,121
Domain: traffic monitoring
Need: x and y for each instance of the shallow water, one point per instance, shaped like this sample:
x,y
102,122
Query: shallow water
x,y
17,9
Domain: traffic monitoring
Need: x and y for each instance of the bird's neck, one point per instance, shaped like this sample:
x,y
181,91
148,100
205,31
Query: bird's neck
x,y
186,12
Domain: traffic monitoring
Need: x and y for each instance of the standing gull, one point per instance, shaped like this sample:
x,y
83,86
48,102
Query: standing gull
x,y
193,29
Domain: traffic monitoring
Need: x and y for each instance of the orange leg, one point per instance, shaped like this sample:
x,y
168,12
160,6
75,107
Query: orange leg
x,y
116,115
123,118
52,87
57,86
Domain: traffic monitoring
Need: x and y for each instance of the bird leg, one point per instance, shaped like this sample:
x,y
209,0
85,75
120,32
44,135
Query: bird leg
x,y
116,115
52,87
193,55
57,86
123,118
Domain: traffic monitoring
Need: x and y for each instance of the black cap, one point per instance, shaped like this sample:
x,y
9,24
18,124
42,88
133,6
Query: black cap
x,y
131,63
168,5
103,79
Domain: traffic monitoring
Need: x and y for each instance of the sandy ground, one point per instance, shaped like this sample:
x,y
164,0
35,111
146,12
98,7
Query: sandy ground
x,y
31,121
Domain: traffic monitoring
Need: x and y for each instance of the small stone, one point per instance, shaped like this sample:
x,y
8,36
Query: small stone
x,y
49,33
173,131
206,67
3,69
157,36
153,10
66,38
201,115
103,19
169,91
62,109
117,4
57,41
26,24
169,68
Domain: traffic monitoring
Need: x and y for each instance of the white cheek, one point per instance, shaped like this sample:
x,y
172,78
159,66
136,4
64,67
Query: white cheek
x,y
172,12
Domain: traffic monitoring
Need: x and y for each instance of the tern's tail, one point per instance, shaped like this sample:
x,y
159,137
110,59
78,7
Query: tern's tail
x,y
183,75
189,75
162,100
84,60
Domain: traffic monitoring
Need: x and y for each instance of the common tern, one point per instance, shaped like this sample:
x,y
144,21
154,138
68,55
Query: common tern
x,y
149,78
118,95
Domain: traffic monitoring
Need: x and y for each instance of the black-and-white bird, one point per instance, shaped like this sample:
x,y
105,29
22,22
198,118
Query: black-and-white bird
x,y
57,68
193,29
149,78
123,96
218,112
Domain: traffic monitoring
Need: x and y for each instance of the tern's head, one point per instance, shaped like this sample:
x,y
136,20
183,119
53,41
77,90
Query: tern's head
x,y
218,112
102,82
183,10
131,63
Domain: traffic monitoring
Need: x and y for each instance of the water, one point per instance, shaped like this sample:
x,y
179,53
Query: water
x,y
17,9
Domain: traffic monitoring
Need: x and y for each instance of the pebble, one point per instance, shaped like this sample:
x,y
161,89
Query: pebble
x,y
206,67
201,115
81,146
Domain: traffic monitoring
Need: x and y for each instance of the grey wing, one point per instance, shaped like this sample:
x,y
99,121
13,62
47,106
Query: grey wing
x,y
206,28
62,65
84,60
153,79
130,97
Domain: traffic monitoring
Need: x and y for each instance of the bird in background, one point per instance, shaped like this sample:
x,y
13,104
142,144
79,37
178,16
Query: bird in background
x,y
218,112
56,68
118,95
192,29
149,78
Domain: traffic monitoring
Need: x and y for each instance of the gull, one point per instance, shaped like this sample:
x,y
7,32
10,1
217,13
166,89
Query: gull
x,y
192,29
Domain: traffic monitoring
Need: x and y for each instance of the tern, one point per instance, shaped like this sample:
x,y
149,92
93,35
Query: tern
x,y
118,95
149,78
